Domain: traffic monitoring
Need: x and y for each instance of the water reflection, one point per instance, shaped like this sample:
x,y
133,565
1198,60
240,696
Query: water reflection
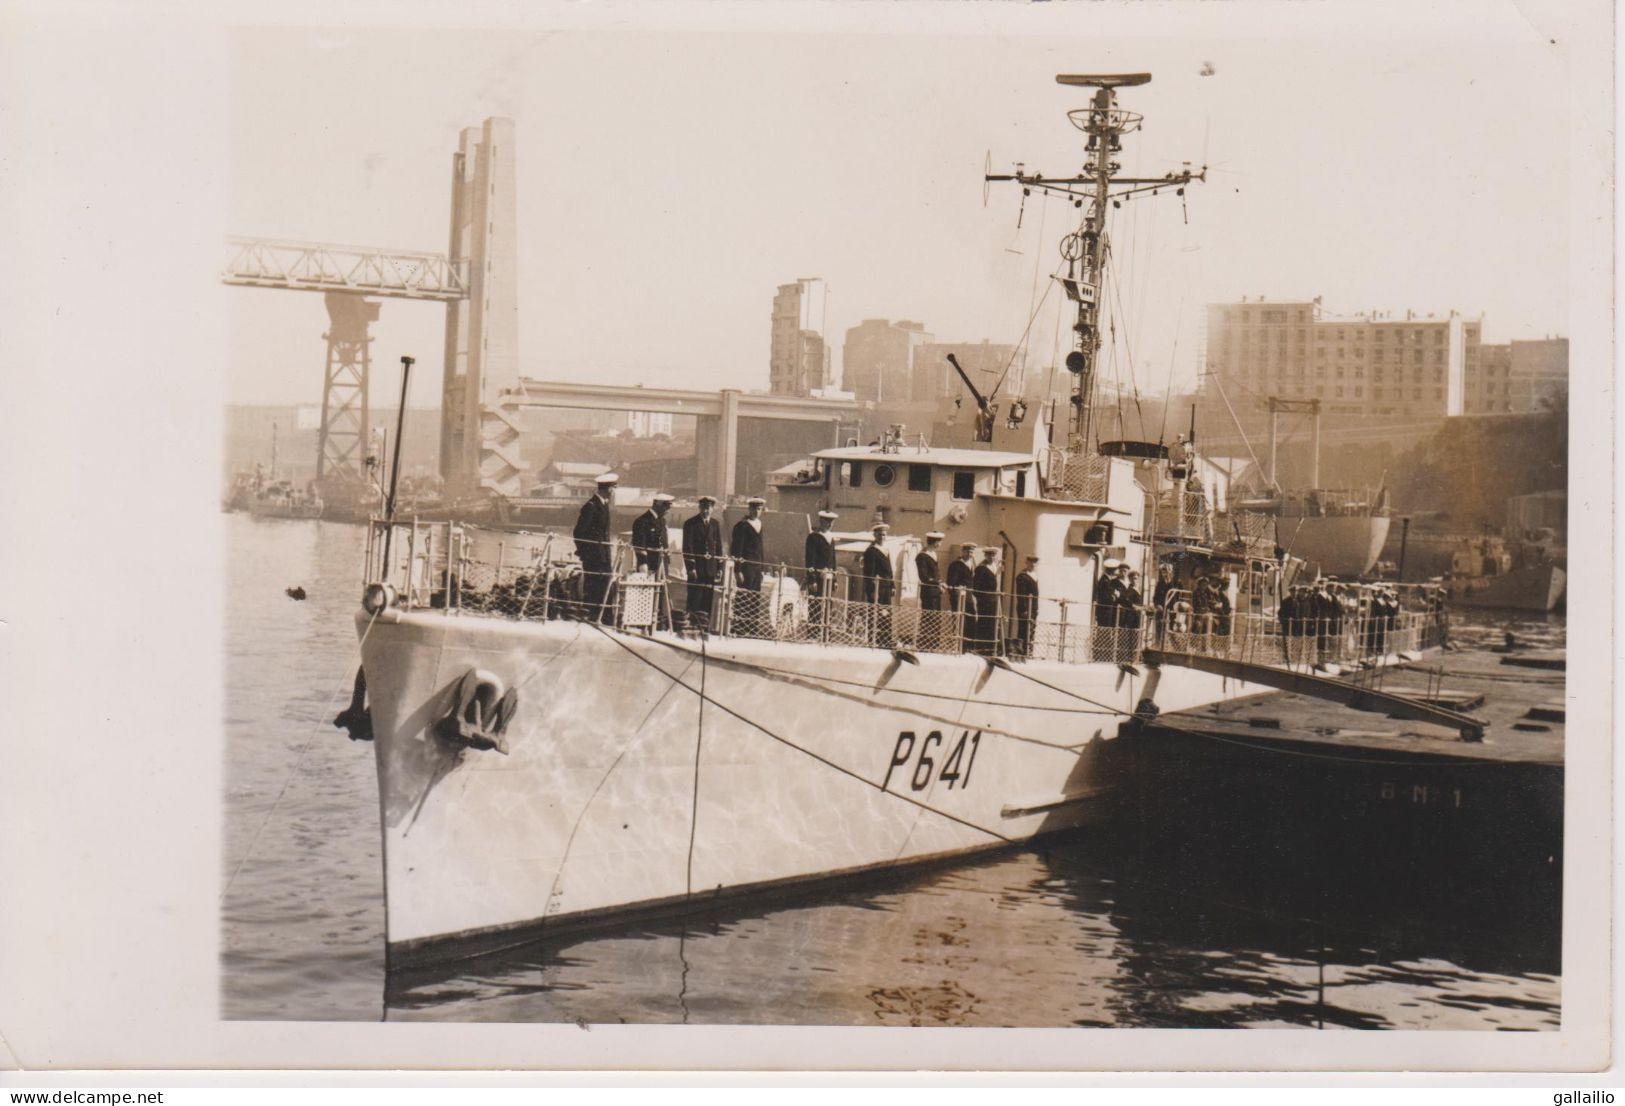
x,y
1034,938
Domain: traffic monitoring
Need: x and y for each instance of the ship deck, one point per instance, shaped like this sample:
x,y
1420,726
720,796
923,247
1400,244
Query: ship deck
x,y
1519,693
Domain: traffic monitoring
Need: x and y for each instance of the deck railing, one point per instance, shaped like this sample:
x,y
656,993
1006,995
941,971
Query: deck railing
x,y
441,566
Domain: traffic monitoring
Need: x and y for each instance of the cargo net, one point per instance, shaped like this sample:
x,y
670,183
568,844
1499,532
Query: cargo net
x,y
1251,526
1081,477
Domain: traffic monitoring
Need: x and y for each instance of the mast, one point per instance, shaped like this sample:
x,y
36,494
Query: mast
x,y
1085,249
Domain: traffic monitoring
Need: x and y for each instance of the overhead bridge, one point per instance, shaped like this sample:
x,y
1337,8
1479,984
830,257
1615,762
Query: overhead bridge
x,y
322,267
1323,687
717,436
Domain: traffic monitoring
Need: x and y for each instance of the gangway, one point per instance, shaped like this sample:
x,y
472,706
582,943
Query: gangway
x,y
1319,687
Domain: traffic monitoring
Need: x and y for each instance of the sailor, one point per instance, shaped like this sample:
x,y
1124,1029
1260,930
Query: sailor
x,y
985,604
961,575
820,561
745,547
593,547
1131,600
1026,606
1165,585
1108,605
925,567
878,584
649,537
702,559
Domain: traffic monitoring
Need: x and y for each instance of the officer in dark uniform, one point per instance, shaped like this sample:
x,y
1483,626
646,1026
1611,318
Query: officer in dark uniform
x,y
745,548
702,559
1026,606
649,539
1108,605
819,557
961,575
878,584
985,602
593,548
925,567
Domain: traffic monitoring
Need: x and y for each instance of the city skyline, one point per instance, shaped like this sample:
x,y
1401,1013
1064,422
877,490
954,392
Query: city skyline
x,y
651,239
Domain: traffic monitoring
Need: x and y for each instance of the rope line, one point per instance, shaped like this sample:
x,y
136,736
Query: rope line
x,y
811,684
802,750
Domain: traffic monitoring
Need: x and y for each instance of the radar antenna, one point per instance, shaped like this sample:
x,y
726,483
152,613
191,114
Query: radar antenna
x,y
1085,249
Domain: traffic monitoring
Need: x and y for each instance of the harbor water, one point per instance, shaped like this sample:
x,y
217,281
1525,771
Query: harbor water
x,y
1087,930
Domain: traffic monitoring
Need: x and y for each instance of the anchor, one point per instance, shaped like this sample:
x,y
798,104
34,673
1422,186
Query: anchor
x,y
356,719
482,713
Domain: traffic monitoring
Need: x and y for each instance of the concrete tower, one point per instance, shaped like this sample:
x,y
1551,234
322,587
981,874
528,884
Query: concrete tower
x,y
478,438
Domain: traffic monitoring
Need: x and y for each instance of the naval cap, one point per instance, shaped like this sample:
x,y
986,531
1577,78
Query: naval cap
x,y
828,515
880,526
755,501
607,479
707,501
1112,562
933,535
967,547
664,497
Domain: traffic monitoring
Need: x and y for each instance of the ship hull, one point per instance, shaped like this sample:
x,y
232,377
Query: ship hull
x,y
1341,545
1537,588
651,774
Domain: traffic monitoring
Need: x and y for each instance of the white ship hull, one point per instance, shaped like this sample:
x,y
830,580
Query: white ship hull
x,y
651,773
1345,546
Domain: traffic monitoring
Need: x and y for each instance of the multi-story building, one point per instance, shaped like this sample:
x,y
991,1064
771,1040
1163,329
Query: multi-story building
x,y
878,357
1539,372
1518,377
1371,364
988,364
1489,391
798,362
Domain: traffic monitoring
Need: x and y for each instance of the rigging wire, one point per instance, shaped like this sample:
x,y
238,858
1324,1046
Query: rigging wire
x,y
1128,349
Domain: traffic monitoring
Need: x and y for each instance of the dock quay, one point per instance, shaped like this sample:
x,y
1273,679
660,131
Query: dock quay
x,y
1366,807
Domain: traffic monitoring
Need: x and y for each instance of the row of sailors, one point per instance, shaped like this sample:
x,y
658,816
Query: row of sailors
x,y
966,587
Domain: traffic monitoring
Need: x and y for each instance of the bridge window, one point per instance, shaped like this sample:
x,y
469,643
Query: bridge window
x,y
919,478
1021,483
854,474
964,485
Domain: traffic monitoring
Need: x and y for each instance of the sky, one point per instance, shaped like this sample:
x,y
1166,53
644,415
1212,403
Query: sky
x,y
668,181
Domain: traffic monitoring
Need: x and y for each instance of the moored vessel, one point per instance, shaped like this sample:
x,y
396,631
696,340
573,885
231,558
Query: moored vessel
x,y
570,728
1484,573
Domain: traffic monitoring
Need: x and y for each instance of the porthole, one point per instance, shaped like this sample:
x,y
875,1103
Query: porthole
x,y
884,476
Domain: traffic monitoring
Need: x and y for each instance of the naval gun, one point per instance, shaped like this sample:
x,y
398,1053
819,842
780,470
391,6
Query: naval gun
x,y
985,411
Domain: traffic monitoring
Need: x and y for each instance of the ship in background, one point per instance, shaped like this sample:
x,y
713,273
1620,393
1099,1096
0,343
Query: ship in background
x,y
555,748
267,494
1334,531
1486,572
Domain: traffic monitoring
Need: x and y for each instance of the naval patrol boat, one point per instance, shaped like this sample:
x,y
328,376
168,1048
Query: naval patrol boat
x,y
553,754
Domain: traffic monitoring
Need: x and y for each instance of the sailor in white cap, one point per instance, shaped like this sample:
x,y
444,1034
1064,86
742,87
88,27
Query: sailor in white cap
x,y
878,584
1026,606
925,567
745,547
702,558
820,561
984,619
593,547
1108,605
961,574
650,539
